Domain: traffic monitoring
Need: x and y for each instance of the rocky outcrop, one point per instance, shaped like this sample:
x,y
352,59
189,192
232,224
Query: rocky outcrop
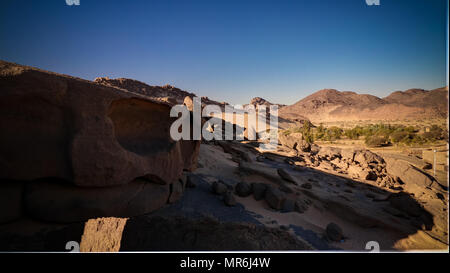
x,y
413,180
102,235
93,139
167,93
294,141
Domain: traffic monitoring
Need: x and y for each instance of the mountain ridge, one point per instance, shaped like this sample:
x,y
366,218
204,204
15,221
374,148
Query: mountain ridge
x,y
332,105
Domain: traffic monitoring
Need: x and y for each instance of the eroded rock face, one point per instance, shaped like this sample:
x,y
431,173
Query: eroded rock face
x,y
294,141
415,181
91,138
93,135
64,203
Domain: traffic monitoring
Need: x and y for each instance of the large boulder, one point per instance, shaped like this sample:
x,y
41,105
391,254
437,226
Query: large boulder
x,y
243,189
90,134
259,190
275,198
365,157
356,171
414,180
64,203
334,232
294,141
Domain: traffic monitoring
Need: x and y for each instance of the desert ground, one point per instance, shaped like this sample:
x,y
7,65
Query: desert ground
x,y
90,166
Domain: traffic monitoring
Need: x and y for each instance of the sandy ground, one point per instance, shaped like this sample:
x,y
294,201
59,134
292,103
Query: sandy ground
x,y
309,226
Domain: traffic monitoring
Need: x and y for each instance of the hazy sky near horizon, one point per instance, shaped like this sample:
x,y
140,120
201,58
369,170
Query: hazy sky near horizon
x,y
235,50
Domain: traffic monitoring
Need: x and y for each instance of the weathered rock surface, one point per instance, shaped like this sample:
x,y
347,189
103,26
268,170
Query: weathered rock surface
x,y
61,202
259,190
167,233
243,189
275,198
102,235
356,171
90,134
109,149
259,169
415,181
294,141
334,232
10,200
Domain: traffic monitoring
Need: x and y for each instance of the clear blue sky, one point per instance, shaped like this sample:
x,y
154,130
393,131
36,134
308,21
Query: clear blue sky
x,y
235,50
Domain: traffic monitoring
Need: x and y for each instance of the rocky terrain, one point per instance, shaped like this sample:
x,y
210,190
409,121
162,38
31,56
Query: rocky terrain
x,y
90,166
310,190
330,105
166,93
73,151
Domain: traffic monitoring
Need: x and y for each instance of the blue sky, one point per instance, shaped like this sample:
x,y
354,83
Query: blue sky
x,y
235,50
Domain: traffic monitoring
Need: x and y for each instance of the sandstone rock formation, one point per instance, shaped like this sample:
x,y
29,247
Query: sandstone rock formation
x,y
79,145
294,141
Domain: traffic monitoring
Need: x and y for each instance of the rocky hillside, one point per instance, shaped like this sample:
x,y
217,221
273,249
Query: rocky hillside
x,y
330,105
166,93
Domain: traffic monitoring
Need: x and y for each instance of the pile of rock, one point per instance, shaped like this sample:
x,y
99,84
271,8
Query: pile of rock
x,y
276,198
356,163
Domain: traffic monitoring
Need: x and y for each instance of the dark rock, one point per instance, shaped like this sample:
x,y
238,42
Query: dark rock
x,y
275,198
54,201
405,202
10,200
191,181
83,132
259,190
218,188
288,205
300,206
243,189
229,199
334,232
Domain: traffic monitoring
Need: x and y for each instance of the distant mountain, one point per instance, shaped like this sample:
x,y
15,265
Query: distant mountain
x,y
330,105
260,101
